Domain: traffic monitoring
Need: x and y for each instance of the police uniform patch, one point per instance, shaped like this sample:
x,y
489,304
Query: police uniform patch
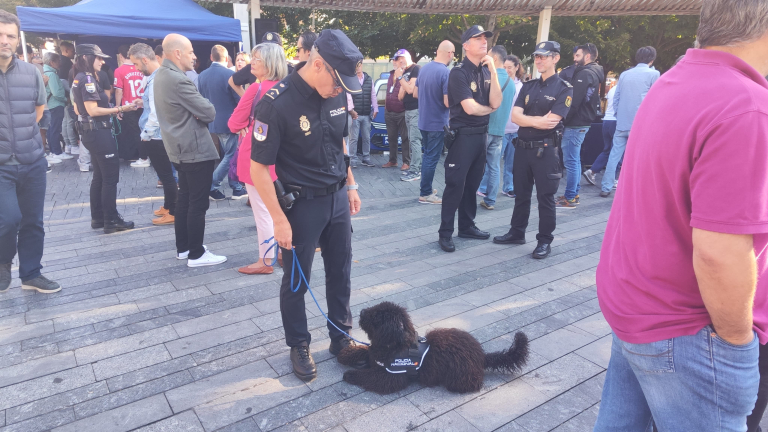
x,y
304,123
269,36
260,130
473,86
527,98
90,87
568,101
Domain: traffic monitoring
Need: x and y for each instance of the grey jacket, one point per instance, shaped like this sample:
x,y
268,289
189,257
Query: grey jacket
x,y
21,90
183,115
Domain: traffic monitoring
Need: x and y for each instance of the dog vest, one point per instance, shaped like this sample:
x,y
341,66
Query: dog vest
x,y
407,361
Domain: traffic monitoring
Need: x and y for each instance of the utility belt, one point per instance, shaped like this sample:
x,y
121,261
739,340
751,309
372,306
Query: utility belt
x,y
451,134
551,142
88,124
287,194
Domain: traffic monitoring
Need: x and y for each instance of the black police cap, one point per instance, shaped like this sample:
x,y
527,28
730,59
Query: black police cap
x,y
547,48
272,37
475,31
90,49
342,55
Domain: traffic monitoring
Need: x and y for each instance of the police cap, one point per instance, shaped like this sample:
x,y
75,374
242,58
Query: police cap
x,y
547,48
272,37
342,55
475,31
89,49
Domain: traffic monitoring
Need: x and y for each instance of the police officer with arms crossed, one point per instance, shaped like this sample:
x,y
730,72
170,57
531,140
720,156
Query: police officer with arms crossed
x,y
473,94
299,126
539,110
95,126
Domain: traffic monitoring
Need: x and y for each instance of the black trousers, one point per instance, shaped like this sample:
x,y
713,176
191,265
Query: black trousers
x,y
545,172
162,165
753,421
194,186
464,168
129,139
326,221
106,173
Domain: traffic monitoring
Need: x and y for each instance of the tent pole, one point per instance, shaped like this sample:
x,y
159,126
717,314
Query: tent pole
x,y
24,47
545,18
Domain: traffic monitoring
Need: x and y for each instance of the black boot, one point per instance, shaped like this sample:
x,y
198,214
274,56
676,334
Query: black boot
x,y
303,363
97,223
542,250
117,224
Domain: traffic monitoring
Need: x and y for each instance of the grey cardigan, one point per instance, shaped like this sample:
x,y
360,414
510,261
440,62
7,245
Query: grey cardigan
x,y
183,115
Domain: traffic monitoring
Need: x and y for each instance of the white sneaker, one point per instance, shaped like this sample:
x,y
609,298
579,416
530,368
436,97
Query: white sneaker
x,y
52,158
208,259
85,168
615,184
64,156
68,149
185,255
140,163
74,150
589,176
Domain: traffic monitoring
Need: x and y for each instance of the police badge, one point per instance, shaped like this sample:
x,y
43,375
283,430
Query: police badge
x,y
304,123
473,86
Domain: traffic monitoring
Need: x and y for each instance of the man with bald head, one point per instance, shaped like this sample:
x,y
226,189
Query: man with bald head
x,y
432,94
184,115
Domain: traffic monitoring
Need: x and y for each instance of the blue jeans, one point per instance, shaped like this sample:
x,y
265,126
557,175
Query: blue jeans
x,y
228,143
22,196
687,383
433,146
53,136
489,185
620,139
572,140
508,150
362,124
609,128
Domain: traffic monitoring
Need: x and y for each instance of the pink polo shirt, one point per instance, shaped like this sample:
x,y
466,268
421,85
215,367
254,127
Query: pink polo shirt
x,y
697,157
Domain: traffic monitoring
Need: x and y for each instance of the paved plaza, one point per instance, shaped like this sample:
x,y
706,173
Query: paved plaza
x,y
137,340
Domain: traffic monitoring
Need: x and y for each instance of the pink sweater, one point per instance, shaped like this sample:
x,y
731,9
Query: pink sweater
x,y
239,120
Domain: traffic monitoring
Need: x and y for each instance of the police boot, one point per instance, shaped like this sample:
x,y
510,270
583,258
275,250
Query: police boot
x,y
303,363
117,224
542,251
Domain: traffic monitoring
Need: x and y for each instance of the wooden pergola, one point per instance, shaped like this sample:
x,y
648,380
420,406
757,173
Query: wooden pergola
x,y
544,8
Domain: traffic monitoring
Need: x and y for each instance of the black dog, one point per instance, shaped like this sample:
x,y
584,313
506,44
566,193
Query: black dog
x,y
448,357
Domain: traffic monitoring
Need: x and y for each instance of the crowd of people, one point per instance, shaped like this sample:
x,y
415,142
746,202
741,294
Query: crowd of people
x,y
680,279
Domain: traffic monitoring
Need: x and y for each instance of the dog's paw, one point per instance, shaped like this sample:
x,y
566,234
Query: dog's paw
x,y
353,377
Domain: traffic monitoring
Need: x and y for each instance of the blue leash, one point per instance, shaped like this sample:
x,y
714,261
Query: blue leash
x,y
295,266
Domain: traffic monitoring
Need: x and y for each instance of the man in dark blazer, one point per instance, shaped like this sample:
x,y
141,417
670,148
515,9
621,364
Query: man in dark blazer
x,y
184,115
213,85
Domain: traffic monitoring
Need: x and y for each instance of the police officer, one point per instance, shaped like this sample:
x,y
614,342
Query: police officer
x,y
473,94
299,127
539,110
95,126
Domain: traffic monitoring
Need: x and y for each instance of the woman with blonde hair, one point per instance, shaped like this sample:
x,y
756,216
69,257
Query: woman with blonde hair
x,y
242,60
269,66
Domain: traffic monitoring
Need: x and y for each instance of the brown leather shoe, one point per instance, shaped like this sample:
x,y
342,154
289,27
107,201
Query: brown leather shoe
x,y
405,167
165,219
389,165
161,211
256,268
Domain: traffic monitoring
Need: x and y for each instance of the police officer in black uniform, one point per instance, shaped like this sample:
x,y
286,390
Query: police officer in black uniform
x,y
299,126
539,110
473,94
95,126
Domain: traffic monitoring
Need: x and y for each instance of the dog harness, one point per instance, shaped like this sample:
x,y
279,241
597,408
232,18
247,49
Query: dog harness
x,y
407,361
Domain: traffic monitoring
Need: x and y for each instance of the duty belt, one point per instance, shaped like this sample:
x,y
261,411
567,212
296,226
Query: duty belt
x,y
92,125
308,192
472,130
546,142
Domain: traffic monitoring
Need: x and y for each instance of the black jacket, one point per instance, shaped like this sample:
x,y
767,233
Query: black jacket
x,y
586,95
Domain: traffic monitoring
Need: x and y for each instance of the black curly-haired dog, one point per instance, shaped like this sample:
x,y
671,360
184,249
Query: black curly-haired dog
x,y
454,360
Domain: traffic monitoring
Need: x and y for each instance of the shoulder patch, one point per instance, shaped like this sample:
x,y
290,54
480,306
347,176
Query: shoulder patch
x,y
277,90
566,83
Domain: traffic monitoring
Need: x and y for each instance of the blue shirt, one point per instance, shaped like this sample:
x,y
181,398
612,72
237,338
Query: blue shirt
x,y
433,86
500,117
630,92
150,128
213,84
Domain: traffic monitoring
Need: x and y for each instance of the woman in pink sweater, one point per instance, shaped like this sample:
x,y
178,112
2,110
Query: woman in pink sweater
x,y
269,67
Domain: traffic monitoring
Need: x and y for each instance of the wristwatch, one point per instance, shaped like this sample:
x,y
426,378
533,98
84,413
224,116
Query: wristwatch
x,y
352,187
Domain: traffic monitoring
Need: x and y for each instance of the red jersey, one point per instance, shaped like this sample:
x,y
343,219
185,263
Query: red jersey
x,y
131,81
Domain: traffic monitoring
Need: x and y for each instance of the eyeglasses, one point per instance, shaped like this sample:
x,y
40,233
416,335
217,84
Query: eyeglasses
x,y
541,56
336,82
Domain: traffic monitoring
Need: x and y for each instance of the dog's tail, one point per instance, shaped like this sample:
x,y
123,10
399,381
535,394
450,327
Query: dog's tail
x,y
511,360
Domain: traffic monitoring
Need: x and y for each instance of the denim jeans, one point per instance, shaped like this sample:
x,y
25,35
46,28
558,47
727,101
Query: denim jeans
x,y
609,128
572,140
362,124
620,139
489,185
687,383
22,196
433,146
54,130
414,136
508,152
68,131
228,143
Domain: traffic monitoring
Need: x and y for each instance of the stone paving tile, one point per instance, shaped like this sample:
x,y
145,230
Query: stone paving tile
x,y
38,388
125,418
36,368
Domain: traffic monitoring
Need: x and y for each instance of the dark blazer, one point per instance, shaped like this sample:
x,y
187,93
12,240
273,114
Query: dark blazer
x,y
214,86
183,115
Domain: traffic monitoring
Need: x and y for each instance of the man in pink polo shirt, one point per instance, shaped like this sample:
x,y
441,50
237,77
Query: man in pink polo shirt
x,y
683,273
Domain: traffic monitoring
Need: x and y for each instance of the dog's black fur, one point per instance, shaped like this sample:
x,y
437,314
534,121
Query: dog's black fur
x,y
455,359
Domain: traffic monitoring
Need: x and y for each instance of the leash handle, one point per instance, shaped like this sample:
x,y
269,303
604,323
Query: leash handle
x,y
295,265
